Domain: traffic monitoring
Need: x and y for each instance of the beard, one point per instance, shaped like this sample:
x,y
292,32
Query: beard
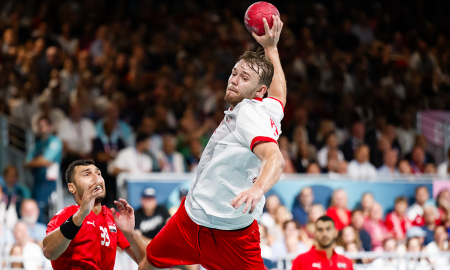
x,y
234,99
326,245
100,199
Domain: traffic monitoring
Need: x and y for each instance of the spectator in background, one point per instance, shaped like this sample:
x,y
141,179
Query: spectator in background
x,y
307,232
346,41
13,191
169,158
338,210
354,142
443,169
148,126
304,158
443,205
360,166
413,245
367,201
404,167
363,30
289,247
268,217
69,77
8,213
104,150
330,144
440,244
389,245
183,194
421,142
77,134
358,223
56,115
406,133
6,235
430,168
16,250
26,105
377,153
415,211
281,216
397,222
348,235
431,221
388,168
151,217
120,128
313,168
414,232
283,143
44,162
133,159
302,205
195,153
417,160
375,227
31,252
29,215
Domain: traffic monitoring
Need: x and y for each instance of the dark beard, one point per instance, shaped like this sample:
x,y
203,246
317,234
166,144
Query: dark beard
x,y
99,199
327,246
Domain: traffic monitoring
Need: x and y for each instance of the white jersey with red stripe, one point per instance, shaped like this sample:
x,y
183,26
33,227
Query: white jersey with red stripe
x,y
228,166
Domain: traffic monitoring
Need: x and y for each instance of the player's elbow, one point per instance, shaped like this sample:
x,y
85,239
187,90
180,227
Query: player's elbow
x,y
50,255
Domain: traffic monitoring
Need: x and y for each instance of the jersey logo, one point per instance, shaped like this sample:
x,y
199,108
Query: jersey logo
x,y
92,223
254,180
112,228
342,265
272,125
317,265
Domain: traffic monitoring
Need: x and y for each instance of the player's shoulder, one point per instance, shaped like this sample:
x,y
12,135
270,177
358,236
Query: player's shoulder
x,y
251,107
272,101
302,258
69,210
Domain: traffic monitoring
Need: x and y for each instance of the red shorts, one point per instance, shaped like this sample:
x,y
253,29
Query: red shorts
x,y
183,242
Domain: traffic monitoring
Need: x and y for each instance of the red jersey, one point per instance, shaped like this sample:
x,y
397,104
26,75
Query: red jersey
x,y
317,260
340,224
397,225
94,247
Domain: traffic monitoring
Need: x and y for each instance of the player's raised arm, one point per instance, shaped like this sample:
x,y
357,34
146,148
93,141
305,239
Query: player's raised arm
x,y
56,242
269,42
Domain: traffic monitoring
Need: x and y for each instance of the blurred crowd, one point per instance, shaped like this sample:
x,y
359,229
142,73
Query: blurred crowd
x,y
138,87
423,226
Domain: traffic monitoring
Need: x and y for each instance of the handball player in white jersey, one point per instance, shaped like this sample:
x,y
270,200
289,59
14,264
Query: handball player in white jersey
x,y
216,225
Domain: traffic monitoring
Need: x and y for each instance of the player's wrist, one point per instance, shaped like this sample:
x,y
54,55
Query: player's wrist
x,y
69,229
272,48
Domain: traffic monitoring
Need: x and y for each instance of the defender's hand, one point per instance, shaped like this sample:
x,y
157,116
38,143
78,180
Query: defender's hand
x,y
125,219
272,36
250,197
87,201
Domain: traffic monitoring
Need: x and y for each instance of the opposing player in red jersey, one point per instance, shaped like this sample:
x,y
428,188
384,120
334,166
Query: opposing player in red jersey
x,y
216,225
84,236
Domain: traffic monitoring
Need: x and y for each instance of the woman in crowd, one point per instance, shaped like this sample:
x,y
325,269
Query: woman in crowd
x,y
338,210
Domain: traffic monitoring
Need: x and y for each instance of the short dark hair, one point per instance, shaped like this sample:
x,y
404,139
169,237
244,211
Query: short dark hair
x,y
261,64
8,169
71,168
141,137
326,219
356,210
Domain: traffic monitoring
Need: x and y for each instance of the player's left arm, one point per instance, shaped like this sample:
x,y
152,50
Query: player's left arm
x,y
269,42
272,166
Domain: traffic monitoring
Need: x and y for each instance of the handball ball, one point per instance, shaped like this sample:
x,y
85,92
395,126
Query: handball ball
x,y
254,17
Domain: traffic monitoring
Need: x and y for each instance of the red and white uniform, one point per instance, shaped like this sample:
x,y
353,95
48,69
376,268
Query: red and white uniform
x,y
228,166
397,225
206,229
95,245
318,260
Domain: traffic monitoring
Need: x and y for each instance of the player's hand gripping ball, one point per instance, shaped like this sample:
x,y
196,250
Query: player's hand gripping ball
x,y
254,17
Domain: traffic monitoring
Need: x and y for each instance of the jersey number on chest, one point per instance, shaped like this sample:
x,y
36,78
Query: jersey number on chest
x,y
105,236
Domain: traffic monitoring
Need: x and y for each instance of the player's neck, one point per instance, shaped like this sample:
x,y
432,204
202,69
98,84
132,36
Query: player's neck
x,y
329,250
97,208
